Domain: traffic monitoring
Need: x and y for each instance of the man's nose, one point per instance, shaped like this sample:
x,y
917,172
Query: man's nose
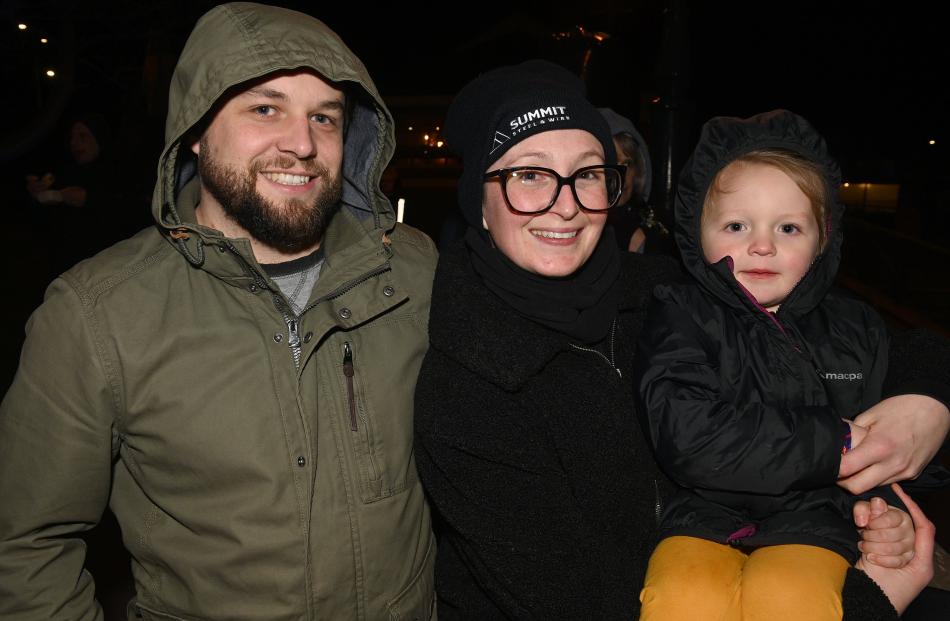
x,y
296,138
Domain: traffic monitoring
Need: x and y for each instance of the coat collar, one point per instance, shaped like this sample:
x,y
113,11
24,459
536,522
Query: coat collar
x,y
474,327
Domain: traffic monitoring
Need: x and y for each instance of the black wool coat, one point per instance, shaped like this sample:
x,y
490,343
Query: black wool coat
x,y
544,488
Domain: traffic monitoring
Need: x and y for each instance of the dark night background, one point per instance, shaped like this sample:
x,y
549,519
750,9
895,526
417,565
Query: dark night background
x,y
870,76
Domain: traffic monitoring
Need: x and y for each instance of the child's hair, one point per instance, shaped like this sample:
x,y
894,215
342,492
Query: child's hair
x,y
806,174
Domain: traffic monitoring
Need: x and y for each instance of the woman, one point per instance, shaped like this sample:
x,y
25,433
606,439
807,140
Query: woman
x,y
636,223
545,493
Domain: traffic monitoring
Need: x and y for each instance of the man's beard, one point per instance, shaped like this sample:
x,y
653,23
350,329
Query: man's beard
x,y
290,226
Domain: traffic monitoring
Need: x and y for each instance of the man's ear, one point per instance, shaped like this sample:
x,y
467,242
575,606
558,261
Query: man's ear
x,y
195,144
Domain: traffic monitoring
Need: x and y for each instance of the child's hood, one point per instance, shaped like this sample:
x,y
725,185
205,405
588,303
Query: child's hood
x,y
722,140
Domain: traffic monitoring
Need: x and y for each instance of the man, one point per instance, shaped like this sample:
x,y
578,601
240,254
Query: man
x,y
237,381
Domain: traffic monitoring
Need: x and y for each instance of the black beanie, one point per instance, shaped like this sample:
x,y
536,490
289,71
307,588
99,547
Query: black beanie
x,y
502,107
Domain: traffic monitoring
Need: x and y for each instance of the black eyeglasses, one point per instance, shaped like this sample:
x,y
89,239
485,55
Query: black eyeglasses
x,y
534,190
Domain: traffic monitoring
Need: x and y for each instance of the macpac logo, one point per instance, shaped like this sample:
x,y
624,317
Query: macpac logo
x,y
848,377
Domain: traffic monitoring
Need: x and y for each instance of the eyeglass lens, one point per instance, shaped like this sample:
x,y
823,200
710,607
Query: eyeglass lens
x,y
535,189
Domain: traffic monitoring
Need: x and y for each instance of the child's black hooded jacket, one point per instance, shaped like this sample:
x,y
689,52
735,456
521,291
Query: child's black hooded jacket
x,y
744,406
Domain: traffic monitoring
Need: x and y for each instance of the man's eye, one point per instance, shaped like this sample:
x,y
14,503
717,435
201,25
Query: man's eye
x,y
264,110
323,119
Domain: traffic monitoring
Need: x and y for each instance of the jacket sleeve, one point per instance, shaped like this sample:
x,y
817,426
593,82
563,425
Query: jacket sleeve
x,y
705,441
55,454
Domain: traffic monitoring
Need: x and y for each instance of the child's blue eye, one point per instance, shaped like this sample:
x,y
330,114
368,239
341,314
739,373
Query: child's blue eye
x,y
788,228
734,226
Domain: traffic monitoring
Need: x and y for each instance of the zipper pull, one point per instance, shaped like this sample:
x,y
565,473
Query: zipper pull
x,y
347,360
293,335
348,372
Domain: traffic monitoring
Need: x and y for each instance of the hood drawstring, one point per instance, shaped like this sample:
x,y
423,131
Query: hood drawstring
x,y
198,259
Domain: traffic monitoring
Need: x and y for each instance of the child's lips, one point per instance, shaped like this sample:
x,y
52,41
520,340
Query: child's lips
x,y
759,274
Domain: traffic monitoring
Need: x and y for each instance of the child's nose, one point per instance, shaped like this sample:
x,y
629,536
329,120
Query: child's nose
x,y
762,244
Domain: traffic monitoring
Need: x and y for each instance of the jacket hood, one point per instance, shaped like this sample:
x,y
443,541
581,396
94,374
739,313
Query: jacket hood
x,y
724,139
241,41
620,124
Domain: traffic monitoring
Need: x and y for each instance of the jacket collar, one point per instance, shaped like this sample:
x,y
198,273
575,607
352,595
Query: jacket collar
x,y
352,248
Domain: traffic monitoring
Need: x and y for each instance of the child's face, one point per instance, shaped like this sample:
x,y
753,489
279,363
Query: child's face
x,y
766,224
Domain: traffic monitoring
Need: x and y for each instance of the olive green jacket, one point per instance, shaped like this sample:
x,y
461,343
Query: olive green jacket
x,y
260,464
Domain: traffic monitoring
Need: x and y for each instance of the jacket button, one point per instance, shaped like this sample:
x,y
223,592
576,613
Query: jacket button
x,y
345,313
278,337
307,337
222,248
252,288
301,461
388,291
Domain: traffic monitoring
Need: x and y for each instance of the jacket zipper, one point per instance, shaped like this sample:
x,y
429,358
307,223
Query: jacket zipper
x,y
348,372
611,359
659,505
292,321
293,336
805,355
293,339
348,286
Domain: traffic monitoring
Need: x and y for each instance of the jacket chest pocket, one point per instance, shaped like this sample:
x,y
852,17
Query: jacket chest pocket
x,y
375,420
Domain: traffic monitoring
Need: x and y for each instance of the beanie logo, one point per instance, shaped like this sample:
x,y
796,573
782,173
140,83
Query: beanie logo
x,y
539,116
500,139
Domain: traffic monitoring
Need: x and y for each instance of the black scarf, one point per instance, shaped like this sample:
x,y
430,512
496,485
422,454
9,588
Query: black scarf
x,y
581,305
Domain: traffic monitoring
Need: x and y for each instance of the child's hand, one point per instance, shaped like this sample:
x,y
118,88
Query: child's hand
x,y
902,585
865,511
887,536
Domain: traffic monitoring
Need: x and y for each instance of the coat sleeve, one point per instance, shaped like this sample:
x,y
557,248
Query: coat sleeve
x,y
863,600
56,443
705,441
919,363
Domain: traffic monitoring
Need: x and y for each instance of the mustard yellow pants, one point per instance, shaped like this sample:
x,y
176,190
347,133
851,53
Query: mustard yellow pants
x,y
699,580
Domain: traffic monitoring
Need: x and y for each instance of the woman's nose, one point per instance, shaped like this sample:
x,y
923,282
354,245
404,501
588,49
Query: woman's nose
x,y
565,205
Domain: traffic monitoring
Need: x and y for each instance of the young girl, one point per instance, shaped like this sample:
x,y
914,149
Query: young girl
x,y
747,378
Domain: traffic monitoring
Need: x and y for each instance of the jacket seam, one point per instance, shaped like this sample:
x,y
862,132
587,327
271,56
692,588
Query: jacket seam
x,y
87,302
